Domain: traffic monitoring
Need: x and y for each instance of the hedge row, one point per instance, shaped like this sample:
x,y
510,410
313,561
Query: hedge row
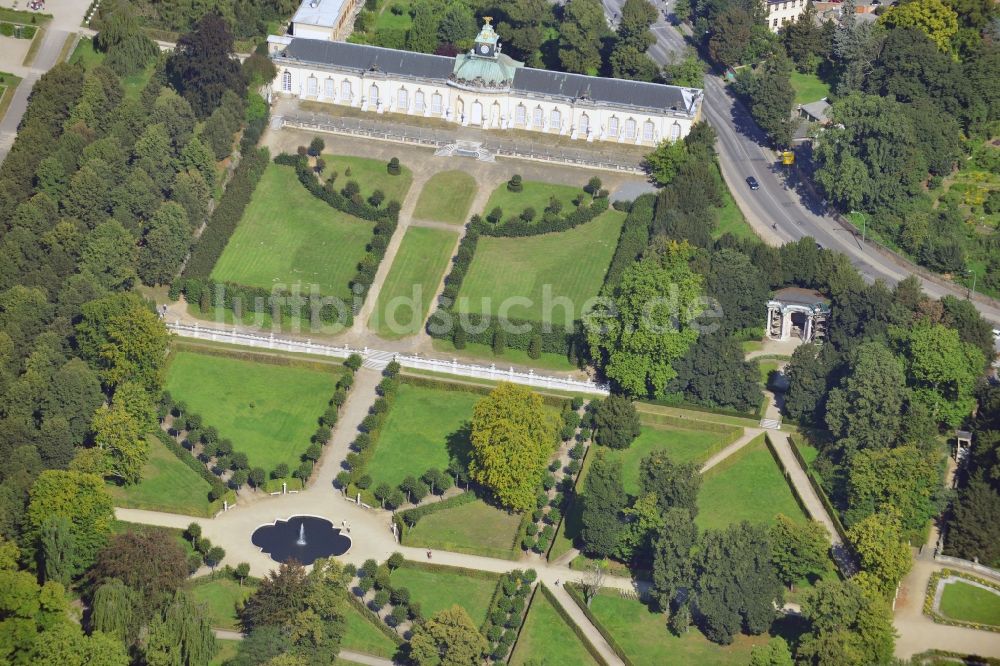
x,y
788,477
385,219
444,385
371,429
548,224
680,403
227,214
818,489
444,568
406,519
732,432
572,625
372,617
219,489
262,301
501,616
275,358
940,618
577,597
632,241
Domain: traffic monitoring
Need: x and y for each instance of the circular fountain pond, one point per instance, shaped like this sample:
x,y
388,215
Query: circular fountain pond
x,y
300,538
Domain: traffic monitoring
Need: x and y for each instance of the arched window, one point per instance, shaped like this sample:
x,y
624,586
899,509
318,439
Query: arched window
x,y
436,103
373,94
613,126
630,129
345,90
286,81
538,117
555,119
402,99
311,86
418,101
675,131
329,88
647,130
520,115
585,124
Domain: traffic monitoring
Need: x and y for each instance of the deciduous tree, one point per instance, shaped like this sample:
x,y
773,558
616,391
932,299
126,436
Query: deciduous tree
x,y
932,17
673,567
616,422
121,439
798,549
674,484
448,638
878,542
604,499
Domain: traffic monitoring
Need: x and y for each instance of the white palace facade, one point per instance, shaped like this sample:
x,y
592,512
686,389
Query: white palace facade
x,y
484,88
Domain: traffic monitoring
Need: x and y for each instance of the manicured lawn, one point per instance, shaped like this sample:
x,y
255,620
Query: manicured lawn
x,y
483,354
167,485
89,57
682,446
370,174
288,236
423,430
438,590
968,603
8,84
647,641
446,197
413,280
749,486
731,220
362,636
565,265
535,194
386,20
268,411
547,639
221,596
766,368
808,88
476,528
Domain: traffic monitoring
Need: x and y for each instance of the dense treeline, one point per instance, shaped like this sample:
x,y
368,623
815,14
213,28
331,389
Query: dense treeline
x,y
103,187
247,19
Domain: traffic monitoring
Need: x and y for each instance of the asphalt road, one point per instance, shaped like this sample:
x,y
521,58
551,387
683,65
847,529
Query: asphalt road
x,y
778,213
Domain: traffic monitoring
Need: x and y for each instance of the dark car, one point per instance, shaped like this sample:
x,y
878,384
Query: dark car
x,y
752,182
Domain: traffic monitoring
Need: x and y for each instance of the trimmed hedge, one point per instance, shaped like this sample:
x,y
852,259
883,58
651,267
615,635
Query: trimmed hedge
x,y
443,568
572,625
227,214
938,617
632,242
218,486
818,489
275,358
444,385
732,431
374,619
577,597
549,223
786,474
414,515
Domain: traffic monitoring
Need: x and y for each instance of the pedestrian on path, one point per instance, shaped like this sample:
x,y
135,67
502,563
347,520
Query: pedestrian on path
x,y
428,554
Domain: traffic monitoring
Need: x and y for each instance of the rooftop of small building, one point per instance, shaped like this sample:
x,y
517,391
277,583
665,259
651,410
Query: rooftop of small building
x,y
800,296
322,13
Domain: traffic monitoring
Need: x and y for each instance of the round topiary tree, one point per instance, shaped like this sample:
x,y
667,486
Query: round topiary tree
x,y
316,147
515,184
393,167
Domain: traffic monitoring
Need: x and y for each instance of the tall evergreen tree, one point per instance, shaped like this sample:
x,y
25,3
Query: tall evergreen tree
x,y
604,499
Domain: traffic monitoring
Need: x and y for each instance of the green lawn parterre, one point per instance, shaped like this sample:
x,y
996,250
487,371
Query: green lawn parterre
x,y
370,175
682,446
167,485
479,353
287,236
546,639
644,636
808,88
221,595
420,428
420,264
969,603
535,194
476,528
361,635
439,589
749,486
571,264
446,197
268,411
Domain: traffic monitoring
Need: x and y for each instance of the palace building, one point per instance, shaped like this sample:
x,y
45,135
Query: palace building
x,y
484,88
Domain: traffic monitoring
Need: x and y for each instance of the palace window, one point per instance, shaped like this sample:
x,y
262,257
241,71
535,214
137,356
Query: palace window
x,y
418,101
286,81
436,103
345,90
311,86
402,99
613,126
329,89
647,131
630,129
538,117
520,115
675,131
555,119
584,124
373,94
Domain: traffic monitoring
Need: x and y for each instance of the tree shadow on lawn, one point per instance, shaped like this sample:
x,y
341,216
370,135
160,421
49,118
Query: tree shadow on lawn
x,y
459,445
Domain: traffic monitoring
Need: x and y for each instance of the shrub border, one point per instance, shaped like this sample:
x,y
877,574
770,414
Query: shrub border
x,y
374,619
939,618
185,457
577,597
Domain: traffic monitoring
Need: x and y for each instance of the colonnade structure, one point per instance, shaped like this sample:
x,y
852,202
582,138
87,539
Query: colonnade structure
x,y
796,312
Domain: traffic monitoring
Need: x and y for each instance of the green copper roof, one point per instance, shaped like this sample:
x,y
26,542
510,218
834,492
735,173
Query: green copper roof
x,y
487,34
479,72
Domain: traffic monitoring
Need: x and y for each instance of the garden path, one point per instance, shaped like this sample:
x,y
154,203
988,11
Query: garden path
x,y
748,436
